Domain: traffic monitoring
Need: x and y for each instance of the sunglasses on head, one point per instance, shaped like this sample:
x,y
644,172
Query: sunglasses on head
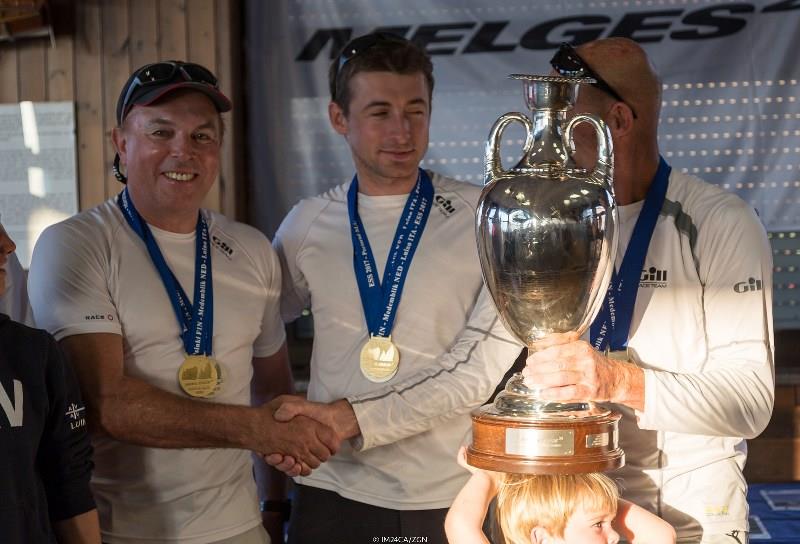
x,y
160,73
568,63
362,43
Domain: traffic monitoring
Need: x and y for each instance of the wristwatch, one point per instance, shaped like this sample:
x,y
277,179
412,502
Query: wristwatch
x,y
283,507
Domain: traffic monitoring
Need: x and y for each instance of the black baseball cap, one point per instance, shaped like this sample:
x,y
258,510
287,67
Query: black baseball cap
x,y
153,81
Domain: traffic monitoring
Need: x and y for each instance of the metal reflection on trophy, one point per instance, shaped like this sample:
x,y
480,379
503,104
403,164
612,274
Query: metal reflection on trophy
x,y
546,232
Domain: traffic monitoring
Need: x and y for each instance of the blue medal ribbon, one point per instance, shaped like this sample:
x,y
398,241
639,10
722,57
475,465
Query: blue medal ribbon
x,y
196,320
612,325
380,299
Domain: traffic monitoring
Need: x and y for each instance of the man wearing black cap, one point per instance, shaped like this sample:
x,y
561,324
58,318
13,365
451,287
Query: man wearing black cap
x,y
170,315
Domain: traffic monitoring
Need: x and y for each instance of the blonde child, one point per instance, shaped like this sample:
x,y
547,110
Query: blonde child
x,y
551,509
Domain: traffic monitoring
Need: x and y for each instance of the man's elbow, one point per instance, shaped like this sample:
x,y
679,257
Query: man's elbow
x,y
104,418
762,402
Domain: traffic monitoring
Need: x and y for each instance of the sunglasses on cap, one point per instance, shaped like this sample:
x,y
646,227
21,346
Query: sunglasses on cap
x,y
159,74
568,63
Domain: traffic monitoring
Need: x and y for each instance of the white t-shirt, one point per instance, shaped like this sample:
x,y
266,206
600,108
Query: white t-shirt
x,y
453,349
92,274
702,331
14,302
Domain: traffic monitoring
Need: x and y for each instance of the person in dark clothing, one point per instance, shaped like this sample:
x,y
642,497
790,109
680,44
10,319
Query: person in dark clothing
x,y
45,453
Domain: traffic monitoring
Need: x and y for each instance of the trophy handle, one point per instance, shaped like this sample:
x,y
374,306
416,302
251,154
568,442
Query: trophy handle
x,y
604,168
493,165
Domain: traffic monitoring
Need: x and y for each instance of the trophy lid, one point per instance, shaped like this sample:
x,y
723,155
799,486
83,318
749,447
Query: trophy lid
x,y
551,92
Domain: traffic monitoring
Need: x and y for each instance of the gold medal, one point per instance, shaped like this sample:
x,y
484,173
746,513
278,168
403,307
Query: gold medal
x,y
222,375
199,376
379,359
619,355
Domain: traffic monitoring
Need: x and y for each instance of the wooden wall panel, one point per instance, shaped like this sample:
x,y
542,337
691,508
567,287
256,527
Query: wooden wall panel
x,y
89,67
9,91
88,81
32,71
144,33
172,29
115,64
200,33
60,62
232,187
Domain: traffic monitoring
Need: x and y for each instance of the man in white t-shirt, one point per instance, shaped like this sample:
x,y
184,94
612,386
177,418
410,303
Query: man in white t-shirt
x,y
406,341
169,313
688,355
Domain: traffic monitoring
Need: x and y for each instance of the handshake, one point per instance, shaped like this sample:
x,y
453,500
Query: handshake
x,y
301,435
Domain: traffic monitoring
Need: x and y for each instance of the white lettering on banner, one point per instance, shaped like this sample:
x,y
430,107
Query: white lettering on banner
x,y
13,410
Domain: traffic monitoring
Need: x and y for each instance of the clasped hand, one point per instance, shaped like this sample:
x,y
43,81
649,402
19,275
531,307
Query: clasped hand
x,y
314,432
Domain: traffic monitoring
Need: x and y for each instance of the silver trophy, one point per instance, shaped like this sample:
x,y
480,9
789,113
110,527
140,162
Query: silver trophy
x,y
546,232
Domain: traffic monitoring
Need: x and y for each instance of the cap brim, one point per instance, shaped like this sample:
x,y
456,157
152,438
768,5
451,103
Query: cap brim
x,y
221,102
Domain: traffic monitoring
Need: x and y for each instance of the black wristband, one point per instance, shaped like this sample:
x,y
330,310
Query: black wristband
x,y
283,507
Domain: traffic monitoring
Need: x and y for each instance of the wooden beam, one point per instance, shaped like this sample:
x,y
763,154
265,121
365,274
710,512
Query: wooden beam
x,y
172,29
229,69
9,90
200,32
144,29
60,62
89,104
31,71
116,69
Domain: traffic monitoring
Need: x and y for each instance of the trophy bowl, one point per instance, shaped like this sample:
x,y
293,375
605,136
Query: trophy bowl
x,y
546,233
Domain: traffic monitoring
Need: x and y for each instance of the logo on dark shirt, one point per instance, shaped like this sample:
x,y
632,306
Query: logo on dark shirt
x,y
76,417
13,410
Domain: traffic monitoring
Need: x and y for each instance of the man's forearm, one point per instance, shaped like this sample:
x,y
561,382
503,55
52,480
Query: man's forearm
x,y
142,414
630,386
81,529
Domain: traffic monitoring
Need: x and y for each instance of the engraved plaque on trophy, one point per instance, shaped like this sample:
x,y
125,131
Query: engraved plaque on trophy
x,y
546,232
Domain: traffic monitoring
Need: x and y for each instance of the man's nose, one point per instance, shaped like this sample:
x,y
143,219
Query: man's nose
x,y
183,147
7,245
401,127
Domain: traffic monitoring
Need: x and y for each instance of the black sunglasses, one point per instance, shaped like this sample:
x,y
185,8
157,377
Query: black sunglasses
x,y
160,73
362,43
568,63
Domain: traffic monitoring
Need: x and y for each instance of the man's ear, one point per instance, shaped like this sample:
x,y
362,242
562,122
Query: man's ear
x,y
620,119
338,118
540,535
120,144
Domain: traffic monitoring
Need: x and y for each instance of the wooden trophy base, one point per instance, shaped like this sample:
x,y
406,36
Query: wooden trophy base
x,y
554,443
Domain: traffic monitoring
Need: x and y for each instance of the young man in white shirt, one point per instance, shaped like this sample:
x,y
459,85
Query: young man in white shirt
x,y
406,340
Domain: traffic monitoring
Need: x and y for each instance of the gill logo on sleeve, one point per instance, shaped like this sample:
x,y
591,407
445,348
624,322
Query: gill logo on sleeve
x,y
748,286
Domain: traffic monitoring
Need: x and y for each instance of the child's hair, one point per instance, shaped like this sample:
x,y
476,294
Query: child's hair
x,y
529,500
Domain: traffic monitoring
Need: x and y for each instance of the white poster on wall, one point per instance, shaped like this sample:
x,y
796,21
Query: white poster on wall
x,y
38,173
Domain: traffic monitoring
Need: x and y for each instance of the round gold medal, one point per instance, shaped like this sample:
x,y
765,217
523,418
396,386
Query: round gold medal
x,y
222,375
198,376
379,359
